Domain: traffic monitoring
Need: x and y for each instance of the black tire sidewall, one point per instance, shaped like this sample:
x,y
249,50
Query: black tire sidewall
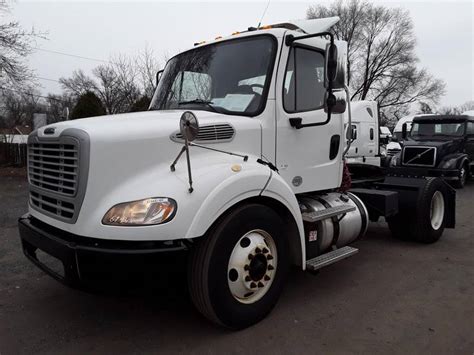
x,y
228,310
422,230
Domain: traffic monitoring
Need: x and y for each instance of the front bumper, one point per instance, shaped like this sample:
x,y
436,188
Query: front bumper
x,y
447,174
80,255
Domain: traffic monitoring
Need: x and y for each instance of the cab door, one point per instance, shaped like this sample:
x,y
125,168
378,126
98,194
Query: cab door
x,y
309,158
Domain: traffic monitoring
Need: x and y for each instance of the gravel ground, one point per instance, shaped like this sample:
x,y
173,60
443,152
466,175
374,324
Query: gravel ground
x,y
392,297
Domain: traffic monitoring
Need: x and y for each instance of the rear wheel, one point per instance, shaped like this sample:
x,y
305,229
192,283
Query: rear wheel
x,y
237,272
426,223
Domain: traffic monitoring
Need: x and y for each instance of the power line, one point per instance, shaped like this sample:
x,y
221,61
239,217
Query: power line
x,y
72,55
34,95
41,78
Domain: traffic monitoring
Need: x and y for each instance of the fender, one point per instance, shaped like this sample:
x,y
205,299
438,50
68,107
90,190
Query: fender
x,y
453,161
229,190
279,190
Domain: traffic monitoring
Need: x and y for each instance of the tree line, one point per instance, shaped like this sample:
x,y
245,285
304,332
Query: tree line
x,y
382,66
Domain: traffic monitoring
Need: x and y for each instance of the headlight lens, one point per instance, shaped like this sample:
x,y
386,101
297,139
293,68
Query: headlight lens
x,y
394,160
145,212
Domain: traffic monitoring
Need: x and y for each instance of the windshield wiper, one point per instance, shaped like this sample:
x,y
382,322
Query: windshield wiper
x,y
199,102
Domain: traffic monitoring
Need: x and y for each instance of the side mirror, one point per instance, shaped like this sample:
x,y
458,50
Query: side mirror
x,y
338,102
335,66
158,76
330,64
404,131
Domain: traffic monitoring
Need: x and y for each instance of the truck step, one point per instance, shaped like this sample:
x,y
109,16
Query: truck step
x,y
330,258
327,213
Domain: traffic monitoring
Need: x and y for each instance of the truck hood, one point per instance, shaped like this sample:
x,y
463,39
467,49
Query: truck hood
x,y
153,130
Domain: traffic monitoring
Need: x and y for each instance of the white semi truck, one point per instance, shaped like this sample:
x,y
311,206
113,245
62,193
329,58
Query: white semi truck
x,y
257,119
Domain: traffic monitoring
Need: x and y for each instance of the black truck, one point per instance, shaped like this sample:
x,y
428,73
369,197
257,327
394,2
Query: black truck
x,y
437,145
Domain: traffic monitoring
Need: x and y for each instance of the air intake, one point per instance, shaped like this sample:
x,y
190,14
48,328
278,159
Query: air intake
x,y
209,134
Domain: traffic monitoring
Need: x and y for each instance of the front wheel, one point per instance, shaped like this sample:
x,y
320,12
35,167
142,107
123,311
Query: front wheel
x,y
237,272
463,175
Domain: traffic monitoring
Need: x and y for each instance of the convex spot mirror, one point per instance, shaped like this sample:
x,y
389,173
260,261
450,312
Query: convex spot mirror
x,y
189,126
335,67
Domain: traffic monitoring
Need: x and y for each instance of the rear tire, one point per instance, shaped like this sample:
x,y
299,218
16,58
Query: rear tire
x,y
226,284
426,223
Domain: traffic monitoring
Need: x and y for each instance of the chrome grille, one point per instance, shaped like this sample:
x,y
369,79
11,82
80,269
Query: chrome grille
x,y
419,156
57,173
210,133
54,167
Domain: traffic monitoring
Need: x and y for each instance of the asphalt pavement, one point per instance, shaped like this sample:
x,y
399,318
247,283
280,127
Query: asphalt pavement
x,y
392,297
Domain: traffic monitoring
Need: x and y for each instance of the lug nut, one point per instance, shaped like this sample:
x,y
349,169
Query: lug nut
x,y
260,284
266,278
246,267
250,256
253,285
258,250
269,257
270,267
247,278
265,250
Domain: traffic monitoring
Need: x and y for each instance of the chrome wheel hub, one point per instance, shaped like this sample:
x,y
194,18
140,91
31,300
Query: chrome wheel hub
x,y
437,210
252,266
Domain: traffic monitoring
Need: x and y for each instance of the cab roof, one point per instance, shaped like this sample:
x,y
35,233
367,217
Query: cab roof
x,y
443,118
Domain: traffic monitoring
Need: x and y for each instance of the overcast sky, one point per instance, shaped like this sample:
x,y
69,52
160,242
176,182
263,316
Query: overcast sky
x,y
444,32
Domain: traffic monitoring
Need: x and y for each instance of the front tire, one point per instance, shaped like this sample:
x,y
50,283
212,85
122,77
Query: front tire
x,y
237,272
463,176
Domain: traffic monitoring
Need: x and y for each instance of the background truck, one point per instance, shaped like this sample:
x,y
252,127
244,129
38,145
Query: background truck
x,y
437,145
238,161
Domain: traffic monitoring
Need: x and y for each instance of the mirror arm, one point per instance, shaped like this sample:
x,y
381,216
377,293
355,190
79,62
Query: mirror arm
x,y
290,39
349,125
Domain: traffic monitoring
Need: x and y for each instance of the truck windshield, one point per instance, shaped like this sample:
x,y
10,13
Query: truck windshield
x,y
230,77
429,129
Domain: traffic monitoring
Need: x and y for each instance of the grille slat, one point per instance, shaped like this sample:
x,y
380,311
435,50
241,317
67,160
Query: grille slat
x,y
51,170
53,163
42,175
52,156
42,183
58,206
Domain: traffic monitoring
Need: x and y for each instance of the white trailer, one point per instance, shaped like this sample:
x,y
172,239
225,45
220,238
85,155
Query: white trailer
x,y
259,116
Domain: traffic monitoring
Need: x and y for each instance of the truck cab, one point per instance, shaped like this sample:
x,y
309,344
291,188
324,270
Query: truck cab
x,y
439,145
238,163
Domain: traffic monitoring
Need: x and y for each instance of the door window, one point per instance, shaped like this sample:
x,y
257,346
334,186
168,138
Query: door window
x,y
303,89
470,128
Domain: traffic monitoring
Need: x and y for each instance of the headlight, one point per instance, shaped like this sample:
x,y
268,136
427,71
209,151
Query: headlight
x,y
143,212
394,160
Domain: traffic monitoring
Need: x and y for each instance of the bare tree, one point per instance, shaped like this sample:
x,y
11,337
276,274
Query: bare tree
x,y
148,66
456,110
114,83
59,106
15,46
382,59
19,107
